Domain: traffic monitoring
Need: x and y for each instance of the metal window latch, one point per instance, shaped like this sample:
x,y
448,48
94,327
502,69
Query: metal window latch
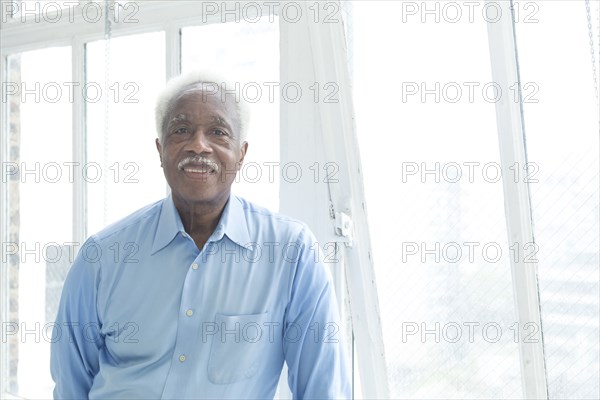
x,y
343,227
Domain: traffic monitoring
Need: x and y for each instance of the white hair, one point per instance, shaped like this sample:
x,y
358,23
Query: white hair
x,y
177,85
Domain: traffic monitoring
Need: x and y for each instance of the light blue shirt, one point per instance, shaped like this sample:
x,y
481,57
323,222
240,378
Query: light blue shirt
x,y
145,314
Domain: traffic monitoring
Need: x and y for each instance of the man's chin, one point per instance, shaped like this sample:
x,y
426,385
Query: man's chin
x,y
208,196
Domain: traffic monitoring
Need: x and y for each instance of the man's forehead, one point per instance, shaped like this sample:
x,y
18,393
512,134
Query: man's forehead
x,y
183,117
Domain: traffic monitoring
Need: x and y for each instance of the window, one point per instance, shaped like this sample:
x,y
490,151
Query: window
x,y
124,171
426,128
564,191
40,210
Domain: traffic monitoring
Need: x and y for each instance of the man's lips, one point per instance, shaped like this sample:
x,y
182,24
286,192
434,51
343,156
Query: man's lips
x,y
199,169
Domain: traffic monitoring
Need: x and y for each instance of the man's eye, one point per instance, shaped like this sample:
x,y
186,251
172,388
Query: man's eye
x,y
219,132
181,130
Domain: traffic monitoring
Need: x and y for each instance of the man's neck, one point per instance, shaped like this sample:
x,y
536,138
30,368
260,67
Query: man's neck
x,y
199,219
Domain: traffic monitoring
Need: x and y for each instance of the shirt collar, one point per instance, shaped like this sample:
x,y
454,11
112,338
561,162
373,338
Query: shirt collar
x,y
233,223
169,225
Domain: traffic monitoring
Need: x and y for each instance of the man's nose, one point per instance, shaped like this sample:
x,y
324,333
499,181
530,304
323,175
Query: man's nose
x,y
199,142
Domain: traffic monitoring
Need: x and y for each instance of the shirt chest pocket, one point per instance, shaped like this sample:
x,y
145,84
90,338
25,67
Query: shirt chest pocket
x,y
238,346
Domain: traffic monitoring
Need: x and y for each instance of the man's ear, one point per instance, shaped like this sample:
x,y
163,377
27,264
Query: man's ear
x,y
243,151
159,148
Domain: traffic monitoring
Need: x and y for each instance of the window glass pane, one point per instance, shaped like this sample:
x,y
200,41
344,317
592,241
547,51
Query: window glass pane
x,y
561,128
249,52
123,171
39,175
40,11
425,115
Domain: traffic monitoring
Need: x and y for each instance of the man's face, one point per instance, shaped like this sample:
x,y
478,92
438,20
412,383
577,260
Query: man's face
x,y
201,150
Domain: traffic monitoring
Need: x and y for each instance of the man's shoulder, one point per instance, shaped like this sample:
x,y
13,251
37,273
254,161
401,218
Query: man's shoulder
x,y
138,221
259,217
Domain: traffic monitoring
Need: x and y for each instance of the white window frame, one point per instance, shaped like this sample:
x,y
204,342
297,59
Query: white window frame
x,y
325,133
517,199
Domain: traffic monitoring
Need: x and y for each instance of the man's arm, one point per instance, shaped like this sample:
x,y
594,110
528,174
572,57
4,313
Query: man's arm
x,y
75,350
314,343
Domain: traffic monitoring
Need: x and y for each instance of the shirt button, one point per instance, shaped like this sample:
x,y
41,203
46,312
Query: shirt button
x,y
184,234
189,313
182,358
194,266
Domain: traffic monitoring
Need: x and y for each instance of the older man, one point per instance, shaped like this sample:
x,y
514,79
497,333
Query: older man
x,y
202,294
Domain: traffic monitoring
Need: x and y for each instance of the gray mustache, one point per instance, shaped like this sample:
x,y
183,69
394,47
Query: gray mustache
x,y
198,160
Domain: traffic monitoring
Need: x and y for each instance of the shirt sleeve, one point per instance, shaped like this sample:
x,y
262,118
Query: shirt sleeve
x,y
314,344
74,359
